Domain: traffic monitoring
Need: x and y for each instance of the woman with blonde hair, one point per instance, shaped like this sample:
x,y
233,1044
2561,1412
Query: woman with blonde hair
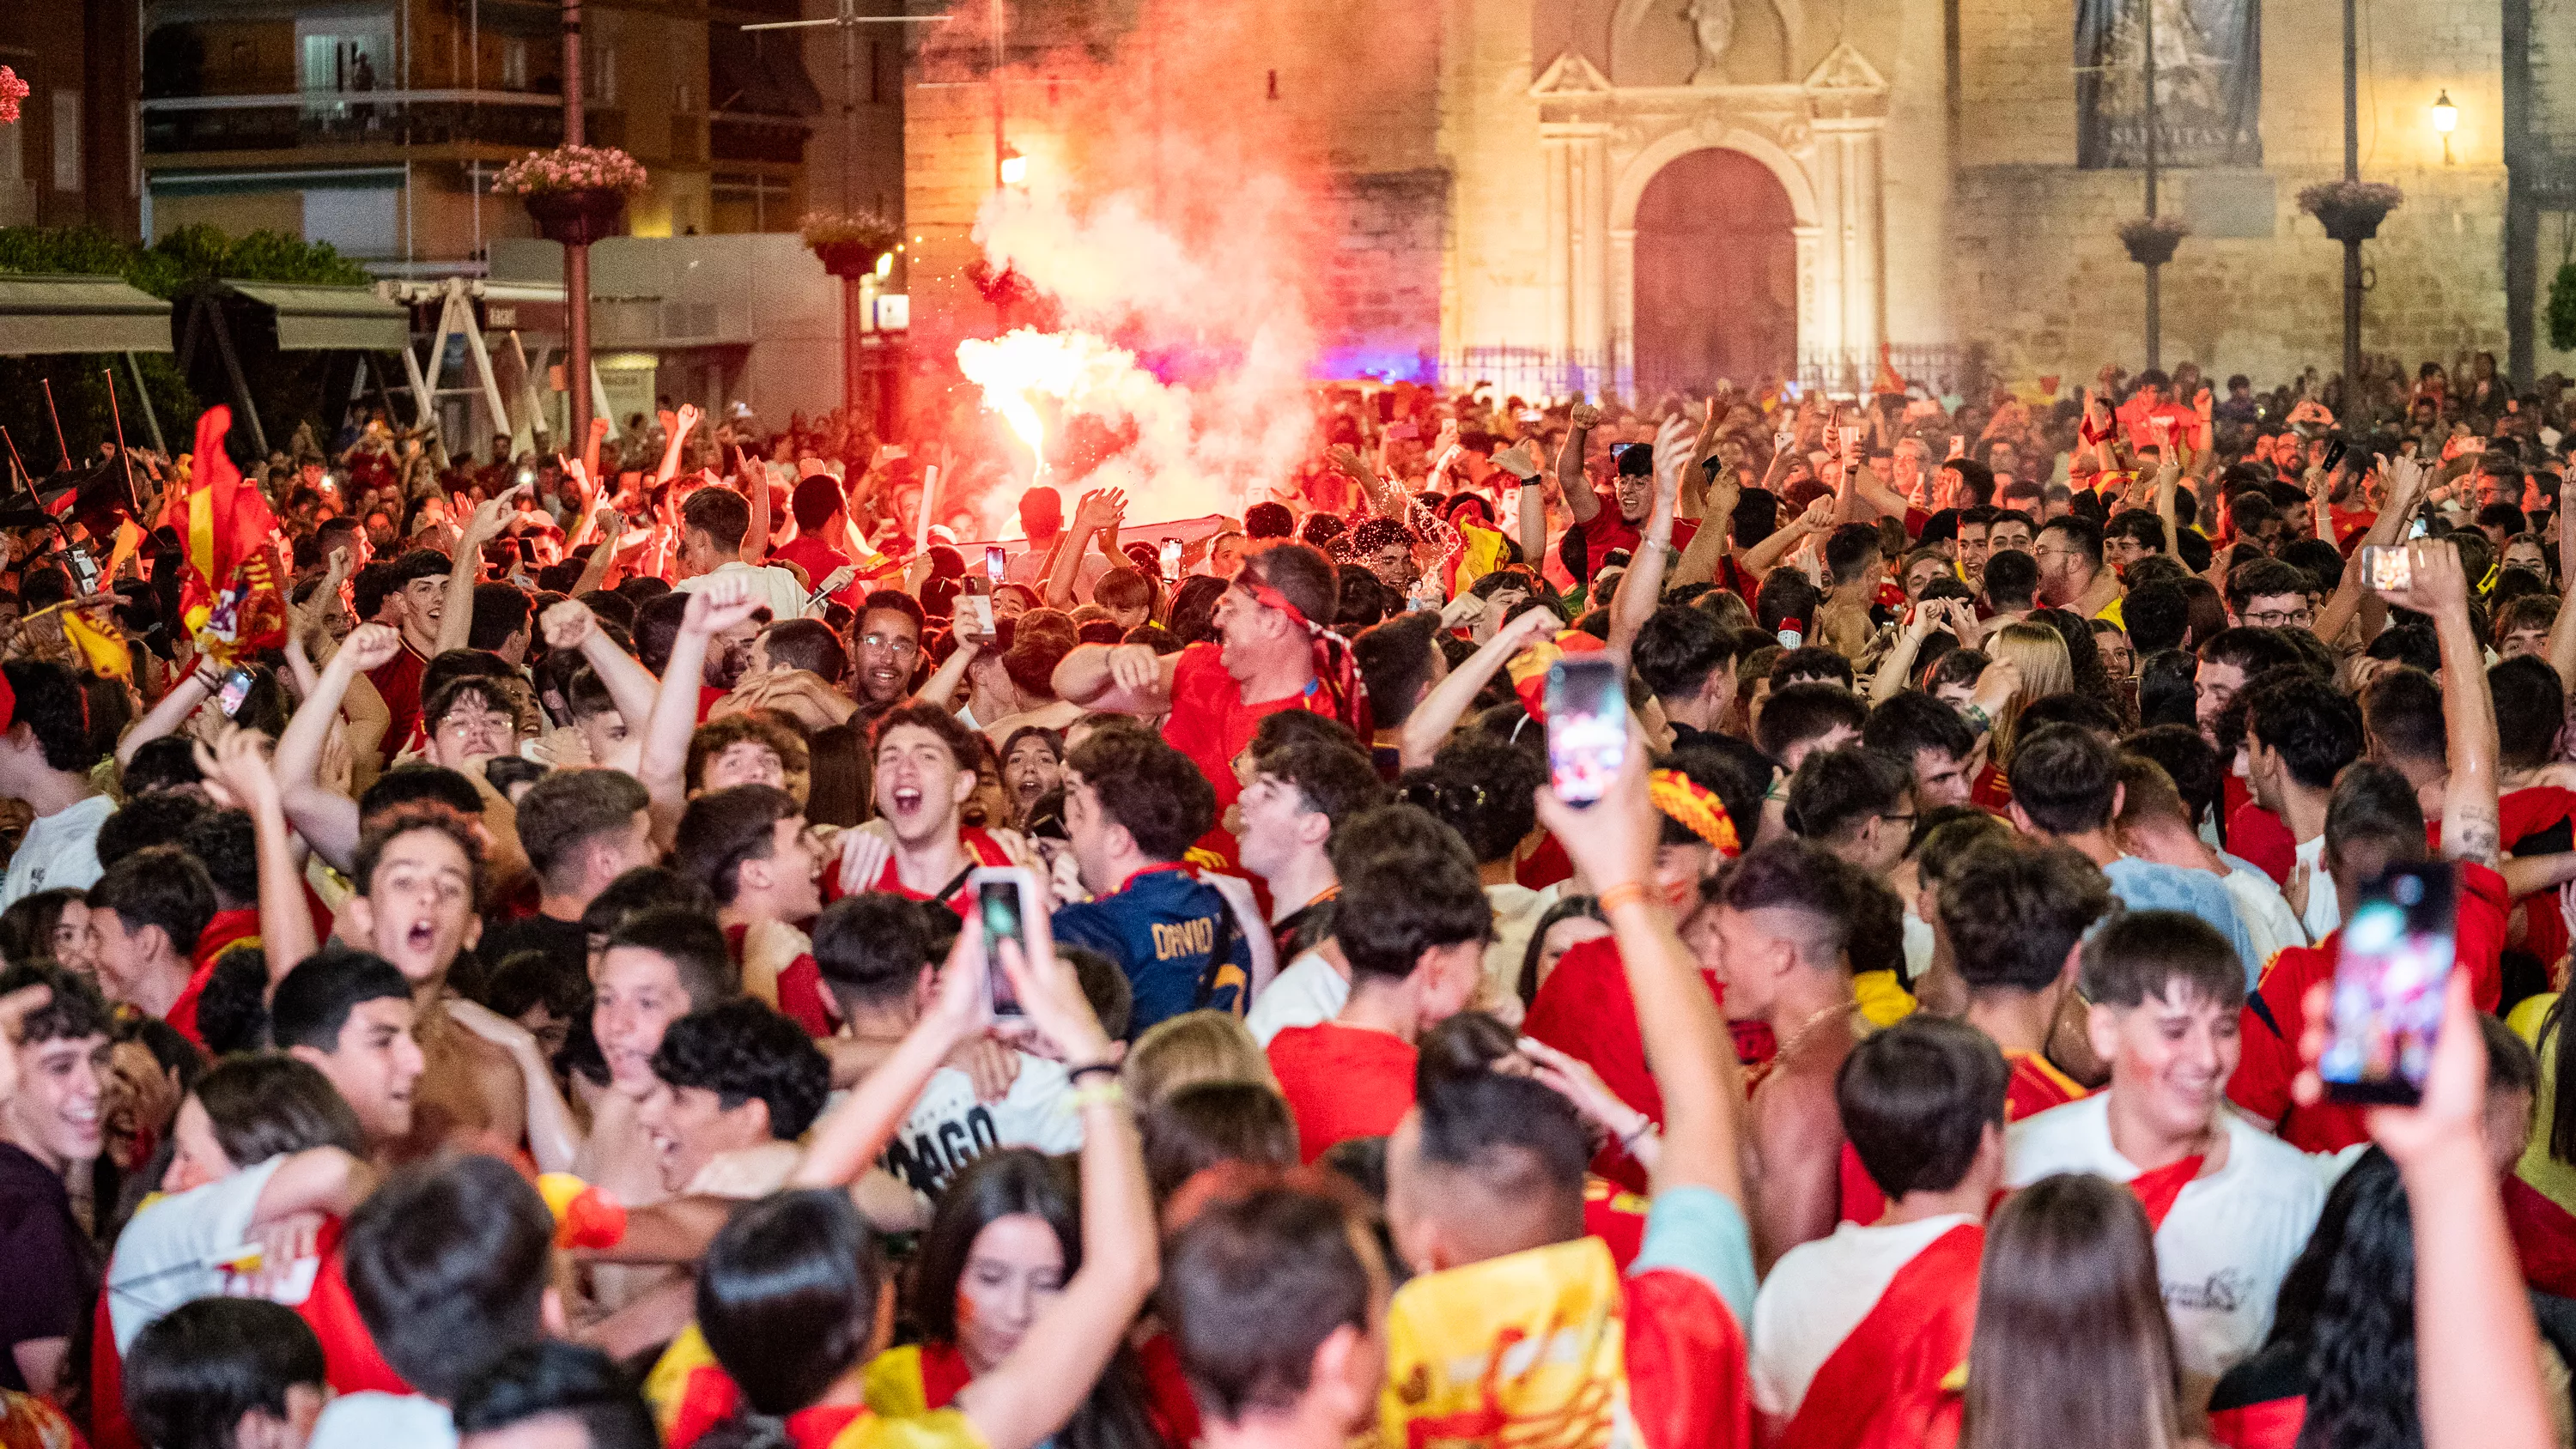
x,y
1194,1047
2039,652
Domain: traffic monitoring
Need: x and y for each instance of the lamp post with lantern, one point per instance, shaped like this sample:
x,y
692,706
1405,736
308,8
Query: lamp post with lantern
x,y
2446,119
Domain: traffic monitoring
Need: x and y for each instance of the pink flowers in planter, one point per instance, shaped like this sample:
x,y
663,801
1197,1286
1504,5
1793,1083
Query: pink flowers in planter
x,y
12,91
572,168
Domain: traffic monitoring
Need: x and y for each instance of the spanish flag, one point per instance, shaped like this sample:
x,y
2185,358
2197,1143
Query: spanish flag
x,y
1480,551
230,594
1529,668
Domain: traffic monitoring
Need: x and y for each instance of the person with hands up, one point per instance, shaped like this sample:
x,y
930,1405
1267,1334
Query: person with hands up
x,y
725,605
484,524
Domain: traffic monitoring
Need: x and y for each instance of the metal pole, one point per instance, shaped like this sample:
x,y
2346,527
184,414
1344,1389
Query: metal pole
x,y
2351,249
2155,289
576,254
1001,299
849,111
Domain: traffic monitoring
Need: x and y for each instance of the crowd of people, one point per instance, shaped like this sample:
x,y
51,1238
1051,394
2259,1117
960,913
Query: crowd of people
x,y
508,954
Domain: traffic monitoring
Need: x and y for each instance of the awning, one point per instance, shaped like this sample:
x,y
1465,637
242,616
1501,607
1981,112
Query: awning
x,y
79,314
758,73
326,319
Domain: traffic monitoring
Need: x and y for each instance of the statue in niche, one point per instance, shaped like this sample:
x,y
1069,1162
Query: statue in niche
x,y
1713,23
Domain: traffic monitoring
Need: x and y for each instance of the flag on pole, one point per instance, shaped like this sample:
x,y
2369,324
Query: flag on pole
x,y
231,595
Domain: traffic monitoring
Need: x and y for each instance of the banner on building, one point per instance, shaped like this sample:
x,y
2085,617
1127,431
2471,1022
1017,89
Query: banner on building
x,y
2209,86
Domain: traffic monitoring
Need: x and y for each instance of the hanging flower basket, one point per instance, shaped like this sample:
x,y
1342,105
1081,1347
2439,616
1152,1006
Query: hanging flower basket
x,y
850,246
2151,239
575,194
12,91
2350,211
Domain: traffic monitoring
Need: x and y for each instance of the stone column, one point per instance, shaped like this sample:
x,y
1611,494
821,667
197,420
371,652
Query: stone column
x,y
1854,279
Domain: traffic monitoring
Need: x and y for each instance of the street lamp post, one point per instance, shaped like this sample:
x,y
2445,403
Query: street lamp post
x,y
2354,395
576,253
2155,269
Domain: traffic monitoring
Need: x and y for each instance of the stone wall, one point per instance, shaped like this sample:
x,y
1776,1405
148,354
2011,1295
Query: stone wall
x,y
2037,268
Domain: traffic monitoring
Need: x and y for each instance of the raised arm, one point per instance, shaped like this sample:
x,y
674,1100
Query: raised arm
x,y
2352,594
1119,678
456,624
1643,588
571,625
327,819
662,765
941,687
755,480
2440,587
1098,509
238,775
1027,1397
1762,557
1613,843
166,717
1449,700
603,555
681,422
1580,501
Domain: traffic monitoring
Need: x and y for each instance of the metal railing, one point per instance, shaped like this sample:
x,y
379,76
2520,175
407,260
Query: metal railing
x,y
317,119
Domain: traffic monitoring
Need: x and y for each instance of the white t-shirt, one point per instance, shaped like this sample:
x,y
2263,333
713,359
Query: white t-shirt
x,y
1516,909
2268,919
2228,1240
373,1420
2325,907
1309,992
1920,944
168,1255
775,587
1817,1294
948,1128
60,851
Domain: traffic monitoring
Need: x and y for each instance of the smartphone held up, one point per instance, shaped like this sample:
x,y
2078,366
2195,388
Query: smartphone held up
x,y
1587,727
1005,902
2399,945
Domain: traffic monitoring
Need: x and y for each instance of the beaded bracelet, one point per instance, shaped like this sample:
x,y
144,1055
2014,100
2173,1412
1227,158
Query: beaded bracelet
x,y
1626,893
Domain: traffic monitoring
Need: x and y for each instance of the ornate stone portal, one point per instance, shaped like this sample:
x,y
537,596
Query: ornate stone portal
x,y
1821,137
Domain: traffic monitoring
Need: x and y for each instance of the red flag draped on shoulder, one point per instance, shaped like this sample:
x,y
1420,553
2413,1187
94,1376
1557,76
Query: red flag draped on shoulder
x,y
231,595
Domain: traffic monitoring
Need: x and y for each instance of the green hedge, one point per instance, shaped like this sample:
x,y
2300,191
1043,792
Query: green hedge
x,y
287,388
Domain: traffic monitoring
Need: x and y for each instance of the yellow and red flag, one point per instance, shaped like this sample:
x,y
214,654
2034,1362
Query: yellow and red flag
x,y
1529,668
231,593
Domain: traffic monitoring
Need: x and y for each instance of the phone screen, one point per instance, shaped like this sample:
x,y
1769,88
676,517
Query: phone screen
x,y
2387,566
1587,727
235,693
981,606
1171,558
2398,946
84,570
995,558
2335,451
997,905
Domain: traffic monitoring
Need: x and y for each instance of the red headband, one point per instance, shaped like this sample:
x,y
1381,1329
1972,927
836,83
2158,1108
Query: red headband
x,y
1335,668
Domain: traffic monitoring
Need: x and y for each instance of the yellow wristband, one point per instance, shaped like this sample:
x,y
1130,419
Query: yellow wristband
x,y
1104,1094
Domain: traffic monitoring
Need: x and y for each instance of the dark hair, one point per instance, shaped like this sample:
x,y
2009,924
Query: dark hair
x,y
1911,722
2312,725
2374,805
54,707
553,1379
161,765
267,1104
568,809
2063,778
2189,761
2072,1345
75,1010
814,502
1678,648
1331,779
1206,1123
2265,578
1849,549
1810,663
2403,710
871,948
657,629
2014,911
787,1301
1804,712
2158,616
1516,1139
1301,574
420,784
311,1004
742,1049
1484,788
1916,1100
500,610
2141,526
147,820
642,889
1786,598
2138,956
2361,1366
192,1373
1268,520
965,746
2530,709
1835,791
691,941
1253,1287
162,886
448,1263
722,513
2082,535
723,828
807,644
1792,874
1150,788
1395,662
2011,577
1397,903
227,845
27,926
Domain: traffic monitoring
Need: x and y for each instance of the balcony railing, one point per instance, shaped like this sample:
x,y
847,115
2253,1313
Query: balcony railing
x,y
336,119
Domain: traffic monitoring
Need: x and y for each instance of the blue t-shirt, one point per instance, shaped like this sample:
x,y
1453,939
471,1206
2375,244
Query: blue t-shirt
x,y
1176,939
2144,885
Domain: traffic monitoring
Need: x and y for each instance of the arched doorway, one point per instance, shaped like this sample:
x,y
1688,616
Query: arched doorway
x,y
1716,275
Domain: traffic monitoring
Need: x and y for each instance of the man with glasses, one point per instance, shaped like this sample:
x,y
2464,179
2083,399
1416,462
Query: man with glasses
x,y
886,648
2269,594
2071,575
